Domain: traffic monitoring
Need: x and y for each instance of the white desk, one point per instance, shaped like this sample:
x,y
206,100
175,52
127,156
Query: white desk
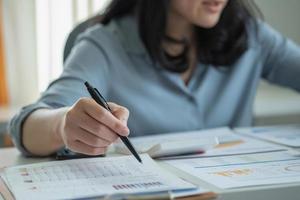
x,y
10,157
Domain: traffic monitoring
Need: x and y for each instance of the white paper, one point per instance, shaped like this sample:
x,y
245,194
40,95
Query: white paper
x,y
243,170
233,144
90,177
175,143
243,145
286,135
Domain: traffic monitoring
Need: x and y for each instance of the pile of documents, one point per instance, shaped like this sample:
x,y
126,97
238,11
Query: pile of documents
x,y
211,142
252,162
222,157
175,144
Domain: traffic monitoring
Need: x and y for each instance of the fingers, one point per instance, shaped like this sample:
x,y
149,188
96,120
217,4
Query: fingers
x,y
81,141
119,112
105,117
79,147
90,139
94,127
90,128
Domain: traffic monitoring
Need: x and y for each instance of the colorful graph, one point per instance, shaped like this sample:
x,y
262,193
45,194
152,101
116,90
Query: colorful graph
x,y
232,173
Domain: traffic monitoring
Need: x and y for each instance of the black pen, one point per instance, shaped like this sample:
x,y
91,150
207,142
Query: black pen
x,y
95,94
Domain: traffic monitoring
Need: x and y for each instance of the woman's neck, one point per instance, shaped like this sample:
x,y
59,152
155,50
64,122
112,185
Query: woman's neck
x,y
178,27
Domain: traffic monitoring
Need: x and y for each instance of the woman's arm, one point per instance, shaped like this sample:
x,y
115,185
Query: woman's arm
x,y
85,128
282,58
42,131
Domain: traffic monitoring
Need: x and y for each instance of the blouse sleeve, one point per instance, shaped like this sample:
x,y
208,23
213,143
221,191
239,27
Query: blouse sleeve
x,y
282,58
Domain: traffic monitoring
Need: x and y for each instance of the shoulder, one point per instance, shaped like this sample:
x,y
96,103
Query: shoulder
x,y
103,37
120,35
262,35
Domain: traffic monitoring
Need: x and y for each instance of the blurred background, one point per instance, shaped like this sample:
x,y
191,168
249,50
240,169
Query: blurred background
x,y
33,35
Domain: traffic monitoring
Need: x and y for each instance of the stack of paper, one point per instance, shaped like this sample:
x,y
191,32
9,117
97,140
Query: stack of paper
x,y
205,143
175,144
93,177
214,142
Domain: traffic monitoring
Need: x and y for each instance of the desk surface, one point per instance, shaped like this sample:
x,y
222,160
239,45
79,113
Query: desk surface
x,y
11,157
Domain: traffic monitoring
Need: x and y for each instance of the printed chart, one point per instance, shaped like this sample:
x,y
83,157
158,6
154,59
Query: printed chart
x,y
92,177
244,170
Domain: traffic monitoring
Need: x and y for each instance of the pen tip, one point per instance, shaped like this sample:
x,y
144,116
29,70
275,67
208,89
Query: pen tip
x,y
86,84
140,160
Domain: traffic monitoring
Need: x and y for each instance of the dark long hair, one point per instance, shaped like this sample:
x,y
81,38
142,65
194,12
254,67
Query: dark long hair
x,y
221,45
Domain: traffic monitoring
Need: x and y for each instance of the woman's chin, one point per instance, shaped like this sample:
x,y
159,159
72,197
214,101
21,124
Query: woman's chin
x,y
209,22
208,25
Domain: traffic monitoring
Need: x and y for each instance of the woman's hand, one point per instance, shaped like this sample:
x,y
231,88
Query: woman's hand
x,y
89,128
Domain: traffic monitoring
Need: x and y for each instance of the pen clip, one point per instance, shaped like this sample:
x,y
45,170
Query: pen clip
x,y
105,102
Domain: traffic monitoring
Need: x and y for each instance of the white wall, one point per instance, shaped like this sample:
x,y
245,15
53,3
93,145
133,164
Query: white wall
x,y
283,15
34,37
20,46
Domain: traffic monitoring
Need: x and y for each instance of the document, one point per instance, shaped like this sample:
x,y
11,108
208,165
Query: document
x,y
176,144
233,144
92,177
243,170
285,135
202,143
242,145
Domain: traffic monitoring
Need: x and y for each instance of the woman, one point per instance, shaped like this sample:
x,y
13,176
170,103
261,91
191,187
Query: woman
x,y
175,64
